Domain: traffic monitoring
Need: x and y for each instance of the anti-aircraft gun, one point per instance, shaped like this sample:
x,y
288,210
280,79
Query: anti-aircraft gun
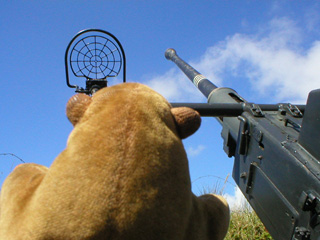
x,y
276,147
276,150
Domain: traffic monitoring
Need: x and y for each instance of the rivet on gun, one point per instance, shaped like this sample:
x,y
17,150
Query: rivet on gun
x,y
243,175
260,157
260,136
283,112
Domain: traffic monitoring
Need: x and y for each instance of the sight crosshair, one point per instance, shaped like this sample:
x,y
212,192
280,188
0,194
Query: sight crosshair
x,y
95,57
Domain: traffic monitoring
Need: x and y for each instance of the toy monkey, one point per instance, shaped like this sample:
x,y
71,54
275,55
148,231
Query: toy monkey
x,y
123,175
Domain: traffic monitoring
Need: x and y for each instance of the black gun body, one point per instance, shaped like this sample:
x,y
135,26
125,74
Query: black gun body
x,y
276,174
276,164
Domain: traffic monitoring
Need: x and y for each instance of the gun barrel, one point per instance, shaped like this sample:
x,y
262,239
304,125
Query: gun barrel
x,y
200,81
213,94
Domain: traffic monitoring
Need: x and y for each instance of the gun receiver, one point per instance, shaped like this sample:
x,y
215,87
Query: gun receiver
x,y
276,150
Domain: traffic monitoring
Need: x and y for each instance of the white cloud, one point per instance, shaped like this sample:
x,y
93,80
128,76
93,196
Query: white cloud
x,y
175,87
237,201
191,151
274,61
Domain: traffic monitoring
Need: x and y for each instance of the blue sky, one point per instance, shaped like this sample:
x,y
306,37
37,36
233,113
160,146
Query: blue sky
x,y
268,51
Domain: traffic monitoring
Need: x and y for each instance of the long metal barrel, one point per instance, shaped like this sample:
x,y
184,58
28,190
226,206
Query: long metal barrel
x,y
200,81
214,96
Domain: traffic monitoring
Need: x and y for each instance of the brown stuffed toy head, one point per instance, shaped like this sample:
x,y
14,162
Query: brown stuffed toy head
x,y
186,119
123,175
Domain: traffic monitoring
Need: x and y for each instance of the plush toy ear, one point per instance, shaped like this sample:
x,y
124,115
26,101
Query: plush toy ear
x,y
187,120
76,107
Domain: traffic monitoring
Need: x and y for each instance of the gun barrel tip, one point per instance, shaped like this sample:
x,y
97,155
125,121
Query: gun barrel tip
x,y
170,52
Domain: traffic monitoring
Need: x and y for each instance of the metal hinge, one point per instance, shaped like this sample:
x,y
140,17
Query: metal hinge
x,y
243,136
254,109
301,233
229,144
309,202
294,125
292,109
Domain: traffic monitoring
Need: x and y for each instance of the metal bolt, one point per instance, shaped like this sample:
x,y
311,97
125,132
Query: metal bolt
x,y
243,175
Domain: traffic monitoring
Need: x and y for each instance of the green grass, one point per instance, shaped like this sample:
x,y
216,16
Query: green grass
x,y
245,225
244,222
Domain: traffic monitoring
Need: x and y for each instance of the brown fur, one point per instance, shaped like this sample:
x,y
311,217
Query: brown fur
x,y
123,175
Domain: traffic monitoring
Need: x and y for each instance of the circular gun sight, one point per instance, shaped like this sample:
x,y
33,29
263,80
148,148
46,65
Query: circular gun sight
x,y
95,55
170,53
